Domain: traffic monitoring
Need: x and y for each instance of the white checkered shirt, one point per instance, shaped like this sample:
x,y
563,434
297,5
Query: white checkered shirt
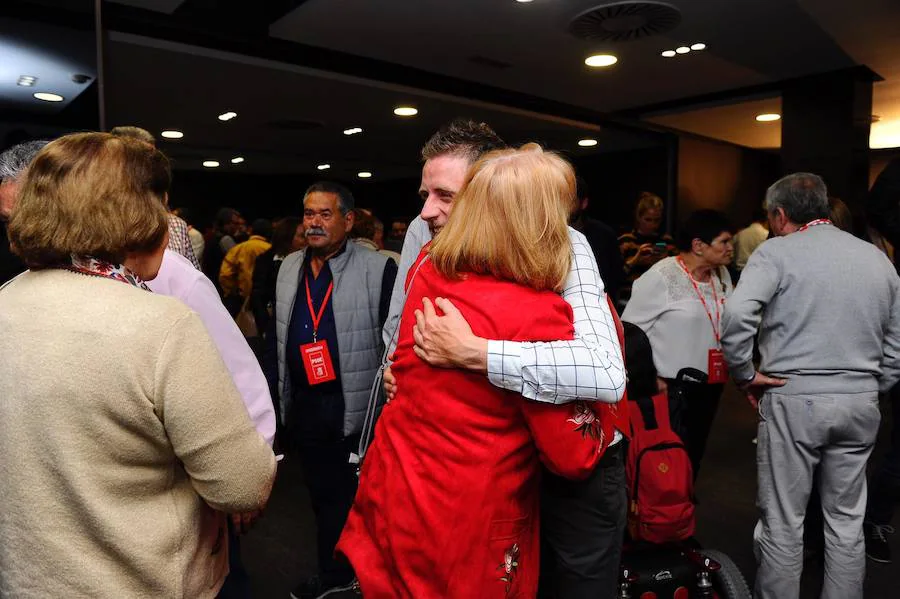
x,y
180,241
589,368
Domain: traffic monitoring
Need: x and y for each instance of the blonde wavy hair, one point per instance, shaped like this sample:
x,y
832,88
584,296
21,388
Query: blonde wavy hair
x,y
510,220
91,194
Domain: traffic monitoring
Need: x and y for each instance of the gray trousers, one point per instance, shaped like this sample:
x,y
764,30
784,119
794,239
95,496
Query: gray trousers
x,y
797,435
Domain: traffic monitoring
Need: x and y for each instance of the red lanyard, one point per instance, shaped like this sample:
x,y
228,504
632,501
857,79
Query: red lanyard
x,y
814,223
717,322
316,316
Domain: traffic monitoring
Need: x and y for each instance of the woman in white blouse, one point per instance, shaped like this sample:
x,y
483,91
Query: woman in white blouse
x,y
679,303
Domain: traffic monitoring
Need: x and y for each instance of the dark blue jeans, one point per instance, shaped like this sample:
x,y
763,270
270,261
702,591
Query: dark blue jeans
x,y
884,489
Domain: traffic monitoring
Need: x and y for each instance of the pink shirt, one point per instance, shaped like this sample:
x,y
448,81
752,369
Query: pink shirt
x,y
178,278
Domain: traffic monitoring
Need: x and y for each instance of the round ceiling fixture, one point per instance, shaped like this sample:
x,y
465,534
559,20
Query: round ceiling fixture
x,y
364,175
48,97
601,60
172,134
625,21
588,142
352,130
406,111
698,46
237,160
668,53
210,163
323,167
682,50
227,116
768,117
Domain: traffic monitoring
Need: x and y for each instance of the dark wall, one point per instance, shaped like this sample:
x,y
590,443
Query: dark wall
x,y
271,196
617,180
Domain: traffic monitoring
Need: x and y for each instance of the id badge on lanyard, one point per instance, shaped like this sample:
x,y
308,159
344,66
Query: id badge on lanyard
x,y
315,356
716,368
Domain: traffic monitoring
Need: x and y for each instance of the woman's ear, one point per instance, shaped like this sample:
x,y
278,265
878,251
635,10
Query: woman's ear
x,y
697,246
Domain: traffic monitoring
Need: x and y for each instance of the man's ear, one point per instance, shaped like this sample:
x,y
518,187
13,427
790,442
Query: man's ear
x,y
350,218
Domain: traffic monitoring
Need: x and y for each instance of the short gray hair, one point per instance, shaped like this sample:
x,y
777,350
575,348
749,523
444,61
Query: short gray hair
x,y
346,202
15,160
802,196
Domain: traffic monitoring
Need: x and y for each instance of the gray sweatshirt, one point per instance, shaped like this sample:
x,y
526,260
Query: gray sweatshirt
x,y
827,306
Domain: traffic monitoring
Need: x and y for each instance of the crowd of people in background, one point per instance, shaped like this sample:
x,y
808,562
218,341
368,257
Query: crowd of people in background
x,y
473,361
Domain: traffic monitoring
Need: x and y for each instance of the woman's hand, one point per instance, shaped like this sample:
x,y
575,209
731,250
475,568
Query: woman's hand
x,y
390,384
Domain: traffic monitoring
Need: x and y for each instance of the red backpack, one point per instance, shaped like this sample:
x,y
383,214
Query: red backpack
x,y
659,474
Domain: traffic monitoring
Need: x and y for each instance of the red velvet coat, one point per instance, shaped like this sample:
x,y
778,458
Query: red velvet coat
x,y
448,498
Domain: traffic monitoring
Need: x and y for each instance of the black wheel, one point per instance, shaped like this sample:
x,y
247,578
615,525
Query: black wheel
x,y
728,581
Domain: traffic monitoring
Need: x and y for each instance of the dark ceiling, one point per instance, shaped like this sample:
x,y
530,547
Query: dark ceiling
x,y
298,72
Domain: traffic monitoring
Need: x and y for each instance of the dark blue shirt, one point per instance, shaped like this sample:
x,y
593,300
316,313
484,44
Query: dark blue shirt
x,y
318,410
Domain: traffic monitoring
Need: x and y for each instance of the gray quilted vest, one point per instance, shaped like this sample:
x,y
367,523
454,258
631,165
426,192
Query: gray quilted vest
x,y
358,274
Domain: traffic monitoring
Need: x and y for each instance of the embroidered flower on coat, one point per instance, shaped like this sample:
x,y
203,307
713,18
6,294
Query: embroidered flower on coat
x,y
585,420
510,565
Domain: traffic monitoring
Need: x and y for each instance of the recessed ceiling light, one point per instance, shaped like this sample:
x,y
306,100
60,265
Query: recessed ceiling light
x,y
364,174
587,142
237,160
405,111
523,1
48,97
227,116
682,50
767,117
26,81
601,60
668,53
352,130
172,134
210,163
323,167
698,46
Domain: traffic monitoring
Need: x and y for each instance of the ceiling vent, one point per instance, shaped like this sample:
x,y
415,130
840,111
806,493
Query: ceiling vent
x,y
625,21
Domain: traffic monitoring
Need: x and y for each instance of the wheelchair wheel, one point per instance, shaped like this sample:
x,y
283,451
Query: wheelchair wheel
x,y
728,582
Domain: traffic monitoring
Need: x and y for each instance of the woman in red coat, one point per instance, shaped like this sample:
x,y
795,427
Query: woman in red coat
x,y
448,498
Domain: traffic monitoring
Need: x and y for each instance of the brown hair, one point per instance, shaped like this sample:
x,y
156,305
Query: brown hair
x,y
91,194
510,220
363,225
462,137
840,214
134,133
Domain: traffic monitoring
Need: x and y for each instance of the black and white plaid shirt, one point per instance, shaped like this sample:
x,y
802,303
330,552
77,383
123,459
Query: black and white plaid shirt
x,y
590,367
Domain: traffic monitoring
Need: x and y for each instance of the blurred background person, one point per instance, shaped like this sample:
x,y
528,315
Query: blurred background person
x,y
840,214
644,246
678,303
287,238
236,272
13,165
152,435
364,232
221,239
196,237
602,240
748,239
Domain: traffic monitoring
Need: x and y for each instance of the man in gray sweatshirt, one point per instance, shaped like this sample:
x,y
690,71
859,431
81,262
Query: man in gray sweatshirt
x,y
827,308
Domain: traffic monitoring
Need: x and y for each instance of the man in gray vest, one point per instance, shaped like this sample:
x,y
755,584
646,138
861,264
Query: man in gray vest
x,y
827,308
332,299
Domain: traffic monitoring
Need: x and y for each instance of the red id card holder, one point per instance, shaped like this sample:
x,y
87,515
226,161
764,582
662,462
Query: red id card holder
x,y
317,362
718,370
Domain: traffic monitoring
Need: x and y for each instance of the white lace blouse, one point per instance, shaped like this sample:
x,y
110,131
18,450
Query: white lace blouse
x,y
666,306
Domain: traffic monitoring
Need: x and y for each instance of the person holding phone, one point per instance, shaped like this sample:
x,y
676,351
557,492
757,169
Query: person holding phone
x,y
644,246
